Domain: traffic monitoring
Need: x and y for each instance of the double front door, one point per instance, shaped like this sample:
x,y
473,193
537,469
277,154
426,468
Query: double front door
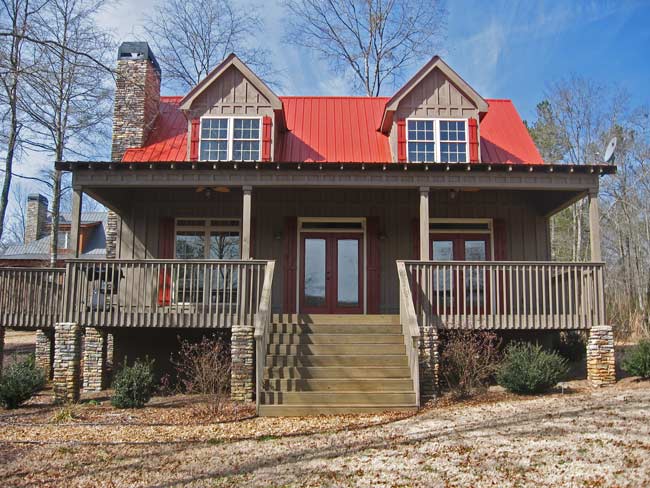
x,y
331,273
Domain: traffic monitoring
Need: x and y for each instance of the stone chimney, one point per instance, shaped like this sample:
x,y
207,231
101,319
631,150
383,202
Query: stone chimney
x,y
36,220
137,97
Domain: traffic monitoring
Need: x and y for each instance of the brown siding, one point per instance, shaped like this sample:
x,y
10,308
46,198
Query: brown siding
x,y
526,230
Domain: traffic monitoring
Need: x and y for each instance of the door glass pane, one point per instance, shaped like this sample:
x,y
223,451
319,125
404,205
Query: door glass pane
x,y
474,286
189,280
443,282
347,272
315,272
224,286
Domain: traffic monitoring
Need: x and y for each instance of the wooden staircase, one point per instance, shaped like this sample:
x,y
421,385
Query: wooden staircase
x,y
334,364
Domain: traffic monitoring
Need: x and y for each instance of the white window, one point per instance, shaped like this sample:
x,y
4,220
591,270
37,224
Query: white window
x,y
436,140
230,139
207,239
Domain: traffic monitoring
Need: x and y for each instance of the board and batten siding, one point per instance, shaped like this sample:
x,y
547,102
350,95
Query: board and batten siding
x,y
434,97
526,230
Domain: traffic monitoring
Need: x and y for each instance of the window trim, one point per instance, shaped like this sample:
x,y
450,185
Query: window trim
x,y
437,153
231,134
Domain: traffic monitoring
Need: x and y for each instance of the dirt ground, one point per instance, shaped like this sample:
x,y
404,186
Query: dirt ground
x,y
579,438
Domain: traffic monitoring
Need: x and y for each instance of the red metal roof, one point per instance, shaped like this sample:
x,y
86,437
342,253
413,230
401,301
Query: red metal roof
x,y
504,137
340,129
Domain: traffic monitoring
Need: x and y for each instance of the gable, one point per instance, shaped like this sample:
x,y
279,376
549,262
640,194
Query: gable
x,y
436,96
230,94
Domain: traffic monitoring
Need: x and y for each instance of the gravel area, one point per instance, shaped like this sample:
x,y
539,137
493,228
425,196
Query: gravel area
x,y
581,438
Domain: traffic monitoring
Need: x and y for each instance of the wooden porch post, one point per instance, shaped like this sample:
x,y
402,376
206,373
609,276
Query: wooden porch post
x,y
77,200
594,226
246,224
424,223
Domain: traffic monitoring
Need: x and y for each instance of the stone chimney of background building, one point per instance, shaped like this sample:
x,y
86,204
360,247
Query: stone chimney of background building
x,y
36,220
137,97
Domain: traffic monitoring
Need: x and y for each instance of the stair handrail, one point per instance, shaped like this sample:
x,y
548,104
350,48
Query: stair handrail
x,y
261,332
410,327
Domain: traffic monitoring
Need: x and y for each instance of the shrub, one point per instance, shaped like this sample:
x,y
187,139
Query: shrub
x,y
637,360
133,385
204,368
529,369
468,361
19,382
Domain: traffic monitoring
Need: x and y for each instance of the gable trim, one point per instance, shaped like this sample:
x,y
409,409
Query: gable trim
x,y
231,60
435,62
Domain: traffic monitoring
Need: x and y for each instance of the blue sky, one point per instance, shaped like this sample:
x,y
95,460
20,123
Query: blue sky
x,y
503,48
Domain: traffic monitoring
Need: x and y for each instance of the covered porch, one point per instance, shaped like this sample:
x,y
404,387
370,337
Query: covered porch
x,y
238,246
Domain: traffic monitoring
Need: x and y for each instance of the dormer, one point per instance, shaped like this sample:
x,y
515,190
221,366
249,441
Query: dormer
x,y
232,115
434,117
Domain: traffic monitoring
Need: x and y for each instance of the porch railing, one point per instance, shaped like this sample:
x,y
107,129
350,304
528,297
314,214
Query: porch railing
x,y
410,328
261,333
31,297
163,293
507,294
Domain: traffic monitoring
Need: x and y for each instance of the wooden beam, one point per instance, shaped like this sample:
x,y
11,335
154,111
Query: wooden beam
x,y
246,223
77,202
424,224
594,227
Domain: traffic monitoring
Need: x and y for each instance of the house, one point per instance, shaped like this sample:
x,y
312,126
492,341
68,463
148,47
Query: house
x,y
330,239
34,251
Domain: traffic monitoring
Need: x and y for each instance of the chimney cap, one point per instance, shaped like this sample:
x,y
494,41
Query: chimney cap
x,y
136,51
32,197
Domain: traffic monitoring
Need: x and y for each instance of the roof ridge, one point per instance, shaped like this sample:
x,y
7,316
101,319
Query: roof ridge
x,y
499,100
334,96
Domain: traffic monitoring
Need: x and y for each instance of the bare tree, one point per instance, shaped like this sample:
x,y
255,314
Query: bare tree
x,y
15,18
573,125
191,37
377,39
68,98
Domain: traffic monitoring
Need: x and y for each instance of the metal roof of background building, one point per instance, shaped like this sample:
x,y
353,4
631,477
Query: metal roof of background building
x,y
340,129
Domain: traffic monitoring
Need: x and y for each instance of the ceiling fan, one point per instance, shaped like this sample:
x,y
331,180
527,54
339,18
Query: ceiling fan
x,y
207,190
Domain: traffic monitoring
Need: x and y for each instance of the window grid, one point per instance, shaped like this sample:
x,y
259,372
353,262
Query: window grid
x,y
230,139
436,140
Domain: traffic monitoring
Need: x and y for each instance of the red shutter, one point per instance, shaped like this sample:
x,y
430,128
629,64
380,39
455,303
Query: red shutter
x,y
290,250
401,141
374,265
267,125
194,139
500,240
415,232
165,251
473,140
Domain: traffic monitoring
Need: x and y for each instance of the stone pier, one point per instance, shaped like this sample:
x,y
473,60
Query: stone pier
x,y
67,358
43,351
242,374
601,359
94,359
429,363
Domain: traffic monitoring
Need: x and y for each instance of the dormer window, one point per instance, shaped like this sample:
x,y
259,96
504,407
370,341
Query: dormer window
x,y
230,139
436,140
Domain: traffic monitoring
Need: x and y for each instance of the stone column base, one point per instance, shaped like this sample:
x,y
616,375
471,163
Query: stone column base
x,y
94,359
67,358
242,374
601,359
43,352
429,364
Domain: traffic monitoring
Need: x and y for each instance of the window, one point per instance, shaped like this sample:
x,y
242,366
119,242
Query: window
x,y
207,239
63,239
421,141
230,139
435,140
453,148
